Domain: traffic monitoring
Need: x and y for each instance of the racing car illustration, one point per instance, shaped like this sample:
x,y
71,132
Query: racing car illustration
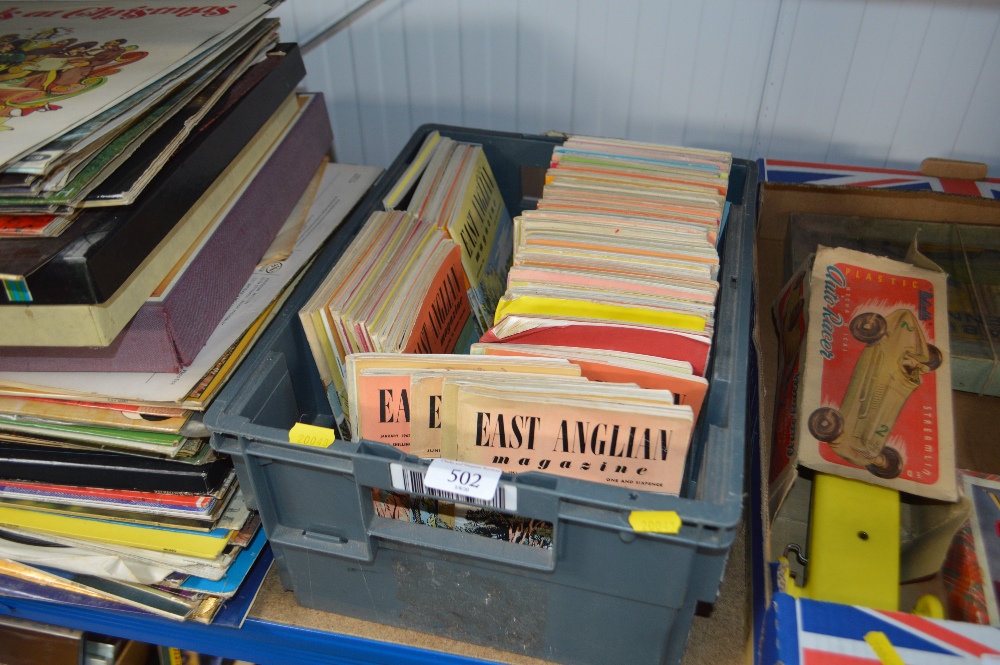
x,y
884,377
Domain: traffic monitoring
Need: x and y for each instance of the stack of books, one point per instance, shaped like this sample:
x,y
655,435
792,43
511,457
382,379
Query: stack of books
x,y
159,197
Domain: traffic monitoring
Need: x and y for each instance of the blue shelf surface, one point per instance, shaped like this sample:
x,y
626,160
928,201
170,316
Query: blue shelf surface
x,y
258,641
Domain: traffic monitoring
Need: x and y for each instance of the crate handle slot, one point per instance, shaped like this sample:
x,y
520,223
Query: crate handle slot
x,y
457,543
336,537
694,534
327,543
313,457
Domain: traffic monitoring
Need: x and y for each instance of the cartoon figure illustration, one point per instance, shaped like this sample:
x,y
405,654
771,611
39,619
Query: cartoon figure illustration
x,y
37,71
886,374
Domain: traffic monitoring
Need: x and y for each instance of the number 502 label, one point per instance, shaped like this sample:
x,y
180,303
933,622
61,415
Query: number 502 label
x,y
479,482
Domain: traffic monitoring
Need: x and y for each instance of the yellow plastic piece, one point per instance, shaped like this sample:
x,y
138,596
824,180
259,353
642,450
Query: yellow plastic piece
x,y
655,521
853,544
883,648
929,606
311,435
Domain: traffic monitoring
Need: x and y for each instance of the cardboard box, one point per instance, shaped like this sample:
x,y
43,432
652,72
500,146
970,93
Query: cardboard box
x,y
780,621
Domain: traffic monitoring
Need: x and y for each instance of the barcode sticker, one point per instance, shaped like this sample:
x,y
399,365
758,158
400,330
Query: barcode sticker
x,y
478,482
503,497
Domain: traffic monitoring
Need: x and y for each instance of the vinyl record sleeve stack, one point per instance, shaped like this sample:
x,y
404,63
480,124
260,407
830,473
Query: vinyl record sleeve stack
x,y
162,186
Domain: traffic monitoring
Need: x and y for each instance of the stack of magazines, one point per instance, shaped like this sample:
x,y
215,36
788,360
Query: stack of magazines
x,y
162,188
594,312
387,279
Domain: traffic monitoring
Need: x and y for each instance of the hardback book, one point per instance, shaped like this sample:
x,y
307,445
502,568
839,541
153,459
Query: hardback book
x,y
99,324
171,327
93,258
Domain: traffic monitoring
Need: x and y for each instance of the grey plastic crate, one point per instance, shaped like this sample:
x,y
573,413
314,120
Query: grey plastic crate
x,y
602,594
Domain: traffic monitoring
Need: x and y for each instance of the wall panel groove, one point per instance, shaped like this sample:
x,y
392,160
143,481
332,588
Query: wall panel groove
x,y
873,82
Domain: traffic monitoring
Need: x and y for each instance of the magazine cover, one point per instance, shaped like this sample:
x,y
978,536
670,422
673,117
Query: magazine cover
x,y
608,439
62,63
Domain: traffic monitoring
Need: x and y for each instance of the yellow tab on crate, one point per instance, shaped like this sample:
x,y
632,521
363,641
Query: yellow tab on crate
x,y
655,521
883,648
311,435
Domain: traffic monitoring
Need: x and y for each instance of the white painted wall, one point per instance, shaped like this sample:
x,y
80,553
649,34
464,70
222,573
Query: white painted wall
x,y
876,82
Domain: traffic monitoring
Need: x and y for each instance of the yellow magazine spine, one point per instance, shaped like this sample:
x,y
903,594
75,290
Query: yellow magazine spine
x,y
474,227
406,181
307,319
173,542
559,307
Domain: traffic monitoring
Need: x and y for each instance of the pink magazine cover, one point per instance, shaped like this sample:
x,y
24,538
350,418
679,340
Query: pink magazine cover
x,y
604,281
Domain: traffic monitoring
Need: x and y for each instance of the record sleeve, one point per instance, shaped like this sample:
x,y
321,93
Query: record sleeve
x,y
109,470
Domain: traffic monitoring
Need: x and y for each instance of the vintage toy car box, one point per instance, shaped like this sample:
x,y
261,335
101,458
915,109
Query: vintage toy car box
x,y
866,392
